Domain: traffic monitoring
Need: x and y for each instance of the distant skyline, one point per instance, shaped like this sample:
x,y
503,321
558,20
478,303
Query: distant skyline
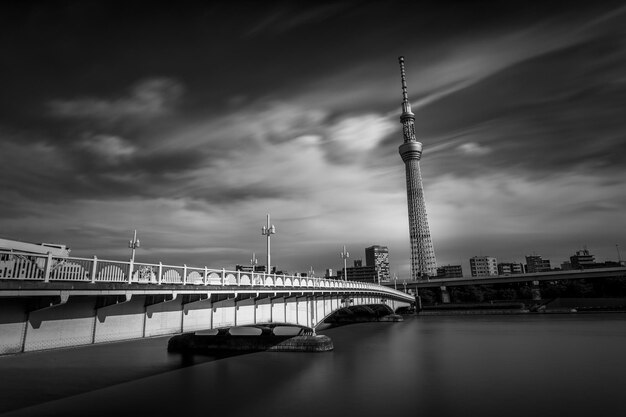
x,y
190,121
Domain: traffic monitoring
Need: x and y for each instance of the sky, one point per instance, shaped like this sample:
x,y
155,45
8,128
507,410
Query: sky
x,y
189,121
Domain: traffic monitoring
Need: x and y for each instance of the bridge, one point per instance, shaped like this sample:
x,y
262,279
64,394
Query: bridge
x,y
51,301
534,279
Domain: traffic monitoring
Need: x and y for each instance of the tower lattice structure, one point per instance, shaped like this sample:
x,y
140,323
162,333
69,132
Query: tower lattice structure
x,y
423,260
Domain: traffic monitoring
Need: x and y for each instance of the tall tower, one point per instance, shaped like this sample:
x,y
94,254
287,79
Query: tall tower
x,y
422,251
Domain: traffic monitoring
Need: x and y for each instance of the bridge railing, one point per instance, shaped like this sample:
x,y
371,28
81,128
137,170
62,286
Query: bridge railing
x,y
46,268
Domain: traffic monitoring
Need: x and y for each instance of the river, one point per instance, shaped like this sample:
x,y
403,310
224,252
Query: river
x,y
524,365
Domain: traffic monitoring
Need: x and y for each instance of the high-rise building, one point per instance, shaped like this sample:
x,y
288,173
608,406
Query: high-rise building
x,y
510,268
450,271
535,263
482,266
423,260
378,257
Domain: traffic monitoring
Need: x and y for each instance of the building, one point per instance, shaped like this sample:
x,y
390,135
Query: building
x,y
450,271
535,263
329,274
482,266
378,257
583,260
248,268
35,248
423,262
509,268
361,273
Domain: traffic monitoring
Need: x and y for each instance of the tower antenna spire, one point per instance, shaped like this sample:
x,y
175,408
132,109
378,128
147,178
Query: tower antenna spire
x,y
406,106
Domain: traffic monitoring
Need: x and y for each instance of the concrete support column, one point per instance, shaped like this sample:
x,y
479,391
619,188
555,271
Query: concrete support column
x,y
536,291
445,295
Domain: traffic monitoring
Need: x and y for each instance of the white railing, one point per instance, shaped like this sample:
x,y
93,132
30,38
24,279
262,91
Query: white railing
x,y
46,268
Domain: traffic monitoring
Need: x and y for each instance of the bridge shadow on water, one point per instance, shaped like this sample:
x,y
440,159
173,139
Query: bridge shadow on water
x,y
33,378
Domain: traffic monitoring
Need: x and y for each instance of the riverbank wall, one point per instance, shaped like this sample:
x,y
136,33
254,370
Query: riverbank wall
x,y
553,306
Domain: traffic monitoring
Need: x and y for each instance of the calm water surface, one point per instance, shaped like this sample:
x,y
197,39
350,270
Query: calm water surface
x,y
539,365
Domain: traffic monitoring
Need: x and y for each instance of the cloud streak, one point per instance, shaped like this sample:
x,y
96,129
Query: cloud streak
x,y
146,99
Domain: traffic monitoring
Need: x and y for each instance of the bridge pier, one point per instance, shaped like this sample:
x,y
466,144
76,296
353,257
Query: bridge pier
x,y
319,310
197,314
163,316
291,309
122,320
13,326
445,295
224,313
278,309
65,324
245,310
536,291
263,310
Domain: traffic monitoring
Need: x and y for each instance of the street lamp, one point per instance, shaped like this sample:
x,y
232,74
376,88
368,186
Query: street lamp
x,y
253,262
311,272
395,281
268,231
619,257
345,255
133,244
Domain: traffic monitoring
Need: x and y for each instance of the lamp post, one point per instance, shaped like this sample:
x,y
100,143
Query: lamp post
x,y
619,257
133,244
311,272
253,262
395,282
345,255
268,230
404,286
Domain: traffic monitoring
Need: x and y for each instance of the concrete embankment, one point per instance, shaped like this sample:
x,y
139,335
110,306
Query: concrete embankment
x,y
191,342
474,309
552,306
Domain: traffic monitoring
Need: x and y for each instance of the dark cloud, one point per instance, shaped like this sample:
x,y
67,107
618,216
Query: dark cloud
x,y
553,113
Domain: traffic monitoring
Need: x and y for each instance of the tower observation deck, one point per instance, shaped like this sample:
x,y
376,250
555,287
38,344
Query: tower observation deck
x,y
423,260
